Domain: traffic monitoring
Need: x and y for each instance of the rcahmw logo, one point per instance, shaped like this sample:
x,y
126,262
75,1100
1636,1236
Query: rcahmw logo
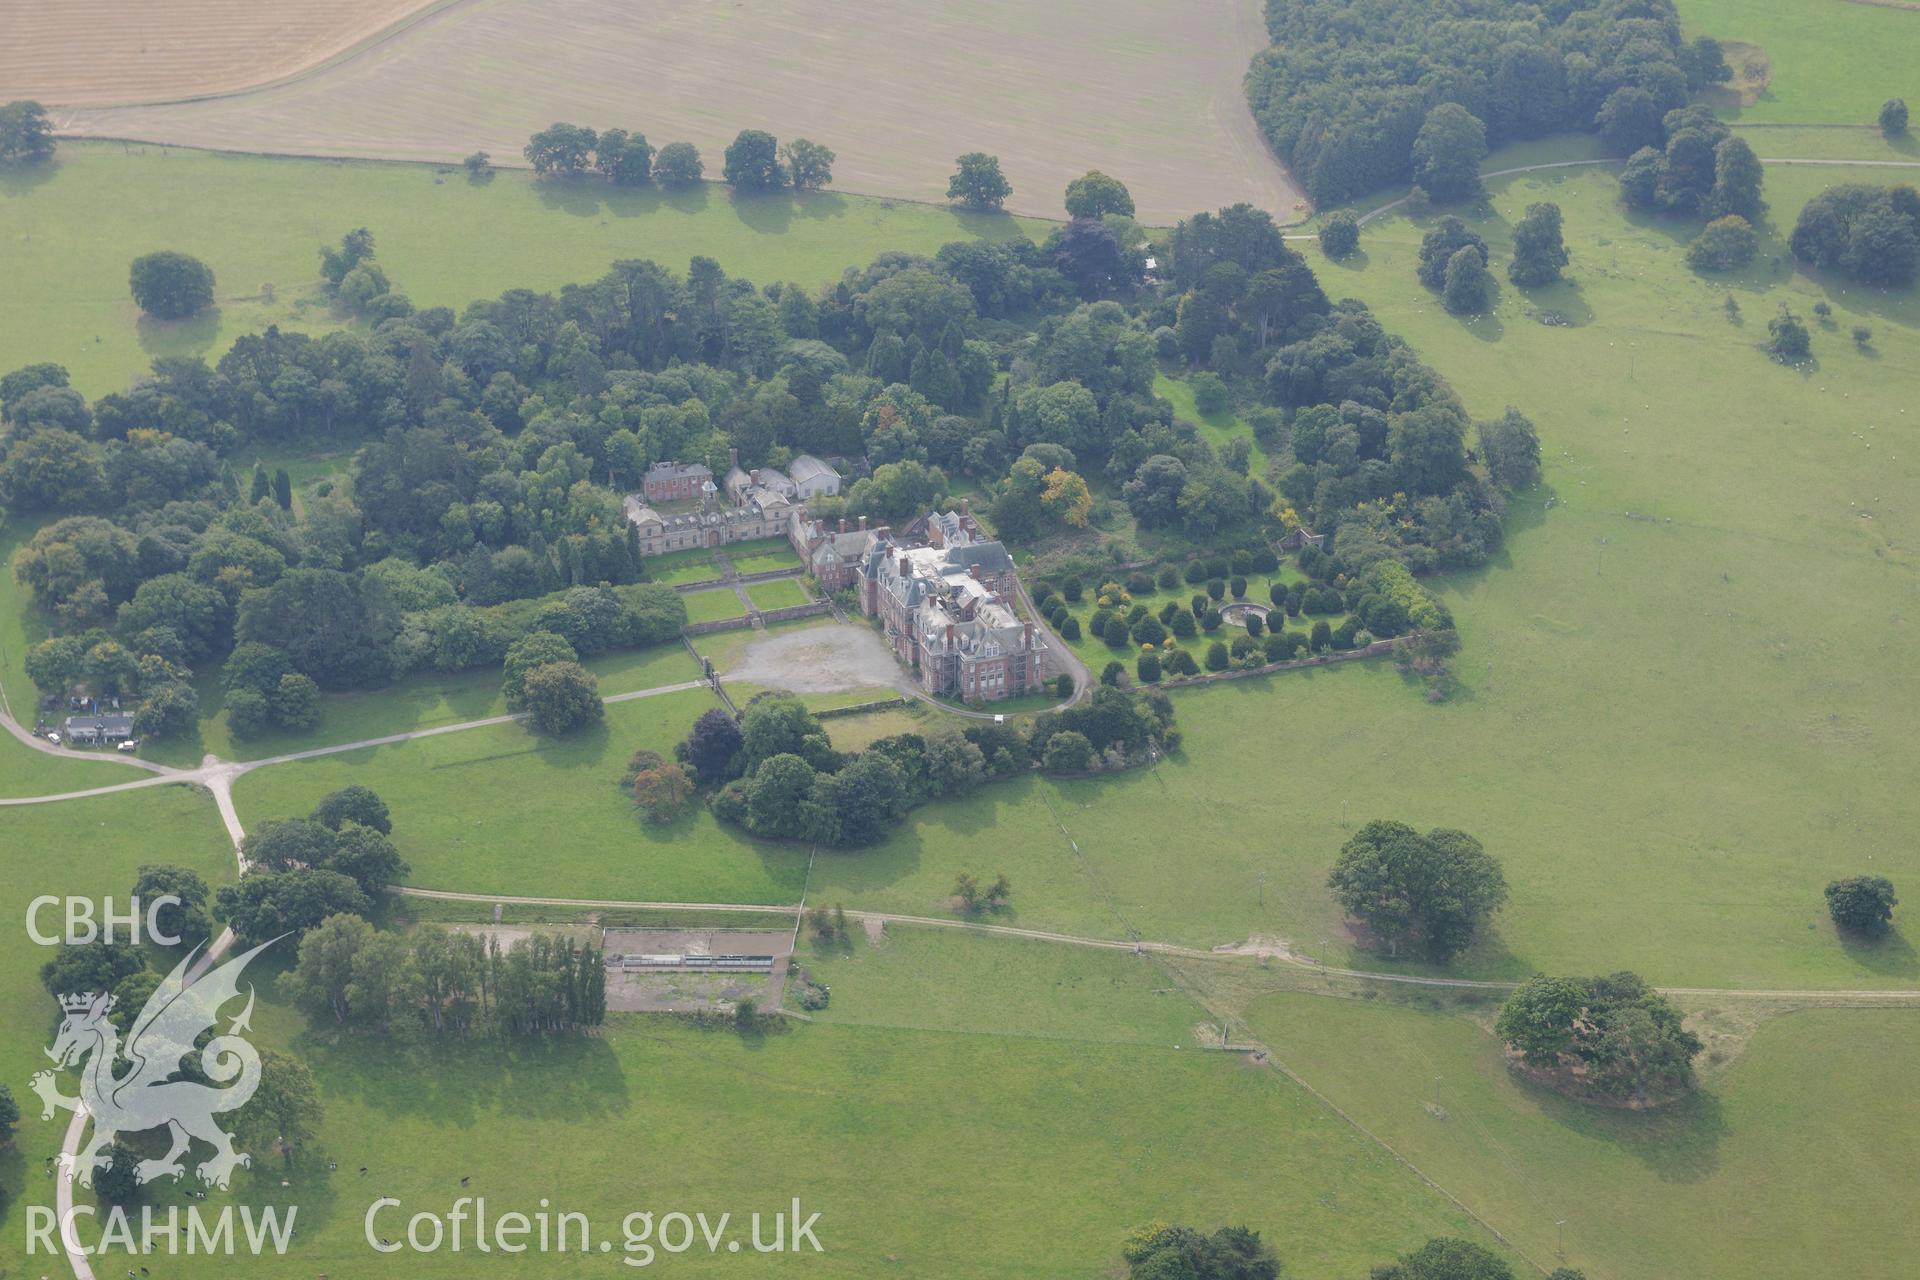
x,y
148,1096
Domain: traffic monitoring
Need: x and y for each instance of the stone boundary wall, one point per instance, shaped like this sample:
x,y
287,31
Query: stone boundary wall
x,y
860,708
812,609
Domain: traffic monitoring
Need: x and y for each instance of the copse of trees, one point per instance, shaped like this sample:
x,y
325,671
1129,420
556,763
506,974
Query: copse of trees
x,y
778,776
1700,170
1869,233
434,981
26,135
1434,892
627,159
1163,1251
1614,1037
171,286
1347,87
299,871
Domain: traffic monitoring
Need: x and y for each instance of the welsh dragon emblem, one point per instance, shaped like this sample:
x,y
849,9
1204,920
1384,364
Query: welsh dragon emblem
x,y
155,1085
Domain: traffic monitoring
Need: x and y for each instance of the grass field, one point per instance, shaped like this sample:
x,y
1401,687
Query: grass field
x,y
68,231
416,702
1667,754
84,848
766,561
1218,428
103,51
1061,1092
1794,1160
713,606
896,92
503,810
679,568
1833,61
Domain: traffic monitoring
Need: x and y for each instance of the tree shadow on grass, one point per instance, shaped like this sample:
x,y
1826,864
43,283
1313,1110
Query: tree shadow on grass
x,y
457,1081
24,179
770,214
1888,956
1565,298
191,336
1678,1142
581,197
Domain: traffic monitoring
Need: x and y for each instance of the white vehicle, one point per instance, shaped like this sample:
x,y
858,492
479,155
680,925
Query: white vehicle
x,y
54,738
128,747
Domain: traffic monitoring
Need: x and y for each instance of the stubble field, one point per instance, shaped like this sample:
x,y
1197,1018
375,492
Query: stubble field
x,y
92,52
1145,90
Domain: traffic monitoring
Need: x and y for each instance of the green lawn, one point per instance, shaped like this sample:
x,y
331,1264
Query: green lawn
x,y
422,701
775,556
713,606
1218,428
782,593
83,848
68,231
1054,1102
1834,61
678,568
504,810
1794,1160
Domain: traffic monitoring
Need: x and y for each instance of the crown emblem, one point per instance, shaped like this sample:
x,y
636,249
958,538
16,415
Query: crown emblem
x,y
80,1002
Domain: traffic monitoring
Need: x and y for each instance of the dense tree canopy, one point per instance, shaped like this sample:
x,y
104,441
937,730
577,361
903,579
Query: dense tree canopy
x,y
1539,251
26,135
1870,233
1614,1036
1346,88
1863,904
1447,153
1095,195
171,286
1434,891
978,182
752,162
